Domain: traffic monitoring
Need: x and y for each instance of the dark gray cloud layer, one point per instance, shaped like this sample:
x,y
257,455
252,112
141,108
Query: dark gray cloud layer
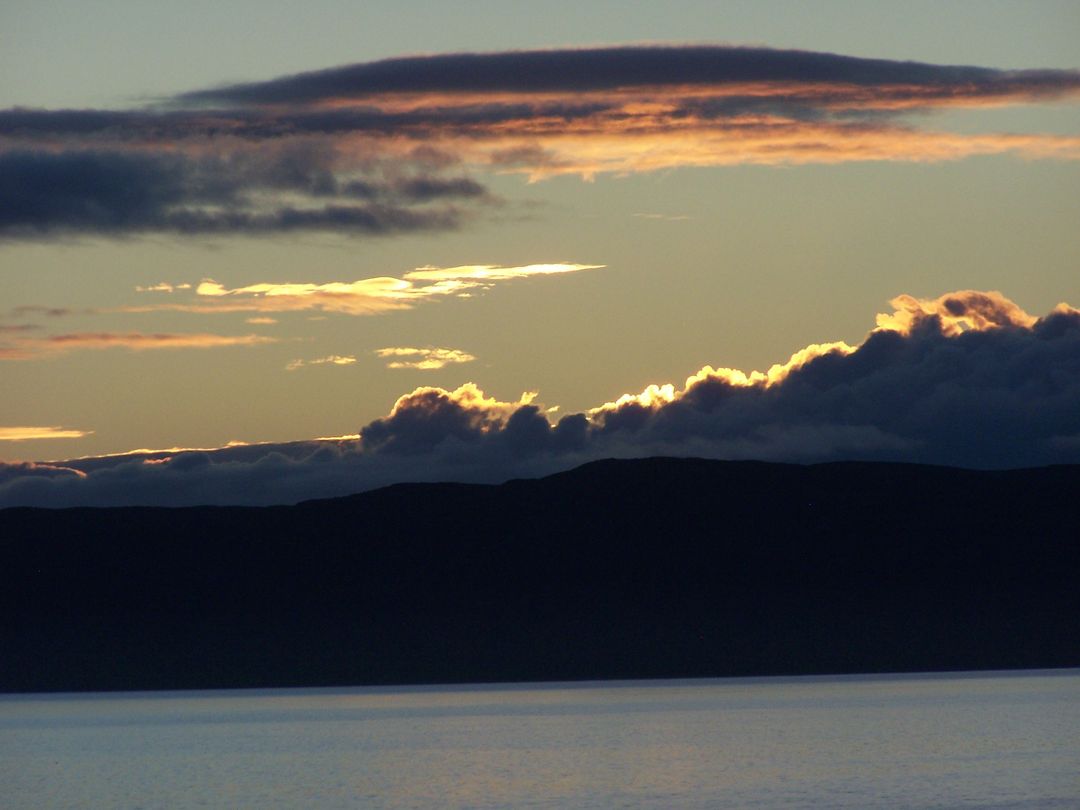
x,y
589,69
115,192
149,126
1001,397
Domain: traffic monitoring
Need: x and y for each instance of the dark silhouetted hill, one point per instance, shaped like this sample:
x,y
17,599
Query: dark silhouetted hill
x,y
618,569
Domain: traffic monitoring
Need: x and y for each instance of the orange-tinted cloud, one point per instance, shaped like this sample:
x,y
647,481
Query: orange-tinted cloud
x,y
776,142
363,297
956,312
366,149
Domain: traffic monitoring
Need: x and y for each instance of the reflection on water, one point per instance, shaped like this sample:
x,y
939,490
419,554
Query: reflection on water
x,y
987,740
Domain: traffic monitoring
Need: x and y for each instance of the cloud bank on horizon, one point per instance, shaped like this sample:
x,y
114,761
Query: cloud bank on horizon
x,y
967,379
388,147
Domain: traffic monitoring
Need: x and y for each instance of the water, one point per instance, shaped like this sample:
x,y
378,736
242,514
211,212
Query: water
x,y
998,740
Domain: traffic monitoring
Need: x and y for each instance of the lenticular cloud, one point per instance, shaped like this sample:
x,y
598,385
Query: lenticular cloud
x,y
967,379
390,147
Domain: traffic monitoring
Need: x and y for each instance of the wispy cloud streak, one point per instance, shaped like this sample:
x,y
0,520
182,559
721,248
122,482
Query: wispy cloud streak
x,y
32,348
427,359
23,434
329,360
367,296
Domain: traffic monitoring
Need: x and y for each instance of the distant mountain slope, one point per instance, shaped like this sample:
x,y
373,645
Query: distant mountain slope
x,y
618,569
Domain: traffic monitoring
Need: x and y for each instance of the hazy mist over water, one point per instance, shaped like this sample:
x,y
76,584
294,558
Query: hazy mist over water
x,y
1001,740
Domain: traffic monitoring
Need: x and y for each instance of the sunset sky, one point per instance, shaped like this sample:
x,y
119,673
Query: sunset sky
x,y
256,223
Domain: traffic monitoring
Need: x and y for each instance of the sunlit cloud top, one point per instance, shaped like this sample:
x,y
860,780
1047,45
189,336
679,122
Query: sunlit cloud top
x,y
957,312
967,379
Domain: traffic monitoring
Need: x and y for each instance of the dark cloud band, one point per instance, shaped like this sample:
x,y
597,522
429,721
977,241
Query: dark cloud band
x,y
582,70
117,192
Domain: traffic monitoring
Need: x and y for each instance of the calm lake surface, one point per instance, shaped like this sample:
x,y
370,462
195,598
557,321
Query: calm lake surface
x,y
987,740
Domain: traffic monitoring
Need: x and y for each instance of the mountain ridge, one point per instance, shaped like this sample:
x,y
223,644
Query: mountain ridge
x,y
659,567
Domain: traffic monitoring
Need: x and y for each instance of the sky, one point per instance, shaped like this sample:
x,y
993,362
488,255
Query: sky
x,y
473,242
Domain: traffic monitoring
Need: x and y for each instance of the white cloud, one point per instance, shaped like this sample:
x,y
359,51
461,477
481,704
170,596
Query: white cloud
x,y
422,359
331,360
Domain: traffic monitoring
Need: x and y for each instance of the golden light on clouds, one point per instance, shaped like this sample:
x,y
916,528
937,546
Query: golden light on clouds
x,y
758,141
388,148
644,129
960,311
484,274
329,360
163,287
656,395
953,313
368,296
422,359
468,396
23,434
362,297
385,187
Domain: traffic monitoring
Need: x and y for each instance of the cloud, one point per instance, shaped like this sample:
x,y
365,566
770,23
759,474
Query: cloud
x,y
368,296
121,191
422,359
956,312
50,312
427,417
615,68
966,379
28,348
163,287
482,275
22,472
22,434
332,360
362,297
389,147
664,217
